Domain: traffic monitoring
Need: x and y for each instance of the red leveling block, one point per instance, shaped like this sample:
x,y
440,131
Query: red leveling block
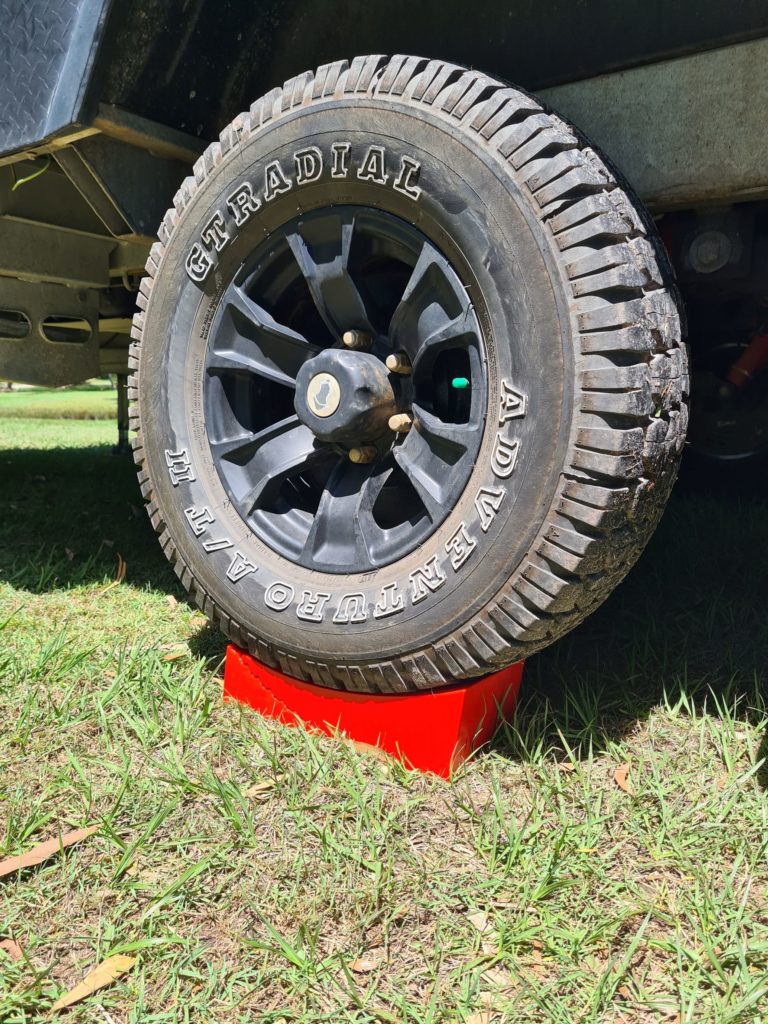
x,y
430,731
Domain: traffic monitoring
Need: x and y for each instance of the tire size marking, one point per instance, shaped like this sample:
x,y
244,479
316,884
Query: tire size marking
x,y
278,596
199,520
308,165
239,567
488,502
217,545
179,466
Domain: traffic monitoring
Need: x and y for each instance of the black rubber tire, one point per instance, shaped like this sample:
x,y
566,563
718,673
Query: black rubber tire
x,y
587,376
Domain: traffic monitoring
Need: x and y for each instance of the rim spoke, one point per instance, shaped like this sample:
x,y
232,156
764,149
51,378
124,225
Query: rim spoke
x,y
241,449
279,452
235,361
341,533
259,344
440,434
432,456
447,335
325,267
420,317
422,475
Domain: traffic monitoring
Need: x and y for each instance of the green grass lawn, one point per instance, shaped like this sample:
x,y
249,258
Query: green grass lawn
x,y
258,874
97,401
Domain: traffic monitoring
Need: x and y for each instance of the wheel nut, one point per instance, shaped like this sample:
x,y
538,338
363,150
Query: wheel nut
x,y
365,454
356,339
398,362
400,423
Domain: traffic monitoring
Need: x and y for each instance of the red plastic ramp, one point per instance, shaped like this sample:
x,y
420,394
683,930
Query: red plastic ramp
x,y
429,731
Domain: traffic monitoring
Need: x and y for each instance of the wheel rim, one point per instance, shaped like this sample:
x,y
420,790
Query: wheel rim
x,y
276,363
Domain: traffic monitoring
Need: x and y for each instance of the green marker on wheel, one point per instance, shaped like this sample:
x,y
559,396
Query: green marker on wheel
x,y
460,383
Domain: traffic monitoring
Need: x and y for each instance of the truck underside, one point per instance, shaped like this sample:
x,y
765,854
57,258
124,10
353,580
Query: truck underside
x,y
119,101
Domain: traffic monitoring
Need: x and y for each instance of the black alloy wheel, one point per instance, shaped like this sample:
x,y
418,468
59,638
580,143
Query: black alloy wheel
x,y
345,272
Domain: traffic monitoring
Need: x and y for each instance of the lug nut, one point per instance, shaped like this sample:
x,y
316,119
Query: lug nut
x,y
356,339
400,423
365,454
398,362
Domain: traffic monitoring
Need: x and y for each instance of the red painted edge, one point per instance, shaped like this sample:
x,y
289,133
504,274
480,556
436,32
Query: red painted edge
x,y
430,731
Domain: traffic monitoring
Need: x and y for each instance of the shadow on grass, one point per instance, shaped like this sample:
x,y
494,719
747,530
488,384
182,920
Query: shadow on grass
x,y
687,625
689,622
66,514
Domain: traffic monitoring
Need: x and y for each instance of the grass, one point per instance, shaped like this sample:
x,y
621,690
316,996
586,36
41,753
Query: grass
x,y
257,873
95,401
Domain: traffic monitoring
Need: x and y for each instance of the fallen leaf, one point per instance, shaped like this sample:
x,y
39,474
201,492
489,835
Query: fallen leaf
x,y
13,949
175,655
496,977
483,1017
368,748
44,851
172,602
480,920
363,966
487,936
620,778
260,787
107,972
624,992
567,766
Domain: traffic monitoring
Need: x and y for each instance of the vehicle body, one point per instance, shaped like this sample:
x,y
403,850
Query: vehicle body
x,y
109,104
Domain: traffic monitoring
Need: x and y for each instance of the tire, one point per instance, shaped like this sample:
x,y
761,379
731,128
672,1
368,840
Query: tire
x,y
566,446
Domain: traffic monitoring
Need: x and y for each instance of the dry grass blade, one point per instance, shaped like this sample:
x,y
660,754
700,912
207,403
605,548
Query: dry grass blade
x,y
106,972
122,567
44,851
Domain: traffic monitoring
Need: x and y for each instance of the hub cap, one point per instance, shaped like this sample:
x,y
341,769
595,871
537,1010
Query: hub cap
x,y
286,400
323,395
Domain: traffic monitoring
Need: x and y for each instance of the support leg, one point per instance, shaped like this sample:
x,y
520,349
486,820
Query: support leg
x,y
123,445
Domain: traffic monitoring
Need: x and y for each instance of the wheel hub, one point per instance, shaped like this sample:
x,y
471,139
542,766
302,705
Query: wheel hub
x,y
345,397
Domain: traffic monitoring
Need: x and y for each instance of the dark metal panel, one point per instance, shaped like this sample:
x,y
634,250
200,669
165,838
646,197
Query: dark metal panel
x,y
193,64
46,53
129,188
36,251
33,359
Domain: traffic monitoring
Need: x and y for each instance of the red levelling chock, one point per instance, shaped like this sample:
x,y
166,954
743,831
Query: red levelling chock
x,y
429,731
